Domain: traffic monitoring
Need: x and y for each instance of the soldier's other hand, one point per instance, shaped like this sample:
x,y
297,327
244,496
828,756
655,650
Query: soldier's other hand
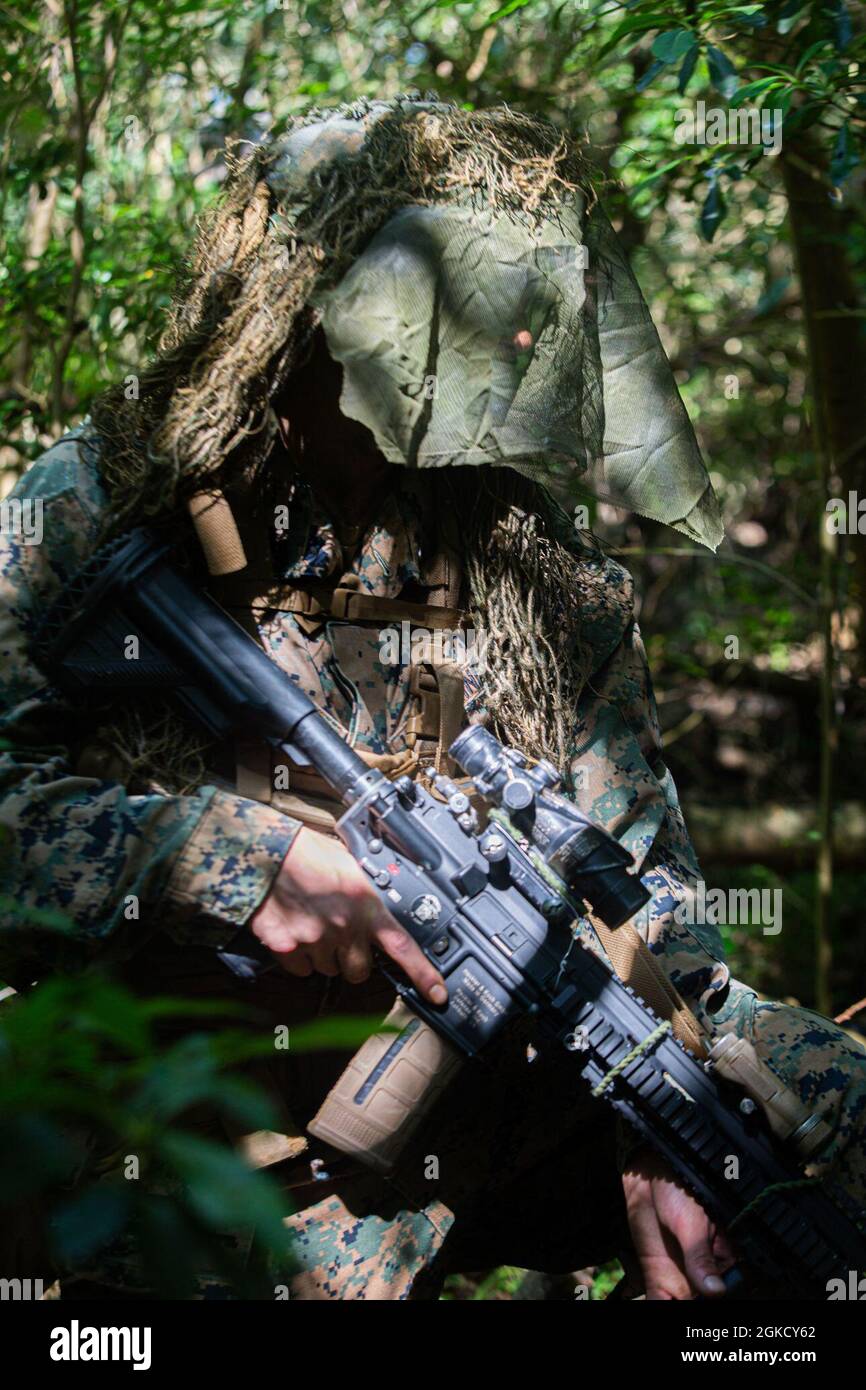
x,y
322,914
682,1253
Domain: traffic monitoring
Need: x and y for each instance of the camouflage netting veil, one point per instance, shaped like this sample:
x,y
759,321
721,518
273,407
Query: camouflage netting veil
x,y
476,297
469,334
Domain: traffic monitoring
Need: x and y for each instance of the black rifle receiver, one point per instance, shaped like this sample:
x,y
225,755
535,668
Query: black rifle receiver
x,y
493,909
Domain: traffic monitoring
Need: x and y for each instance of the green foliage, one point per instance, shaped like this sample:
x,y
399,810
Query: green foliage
x,y
98,1118
134,109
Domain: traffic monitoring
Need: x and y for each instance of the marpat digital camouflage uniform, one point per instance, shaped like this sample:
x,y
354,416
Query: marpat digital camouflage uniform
x,y
526,1171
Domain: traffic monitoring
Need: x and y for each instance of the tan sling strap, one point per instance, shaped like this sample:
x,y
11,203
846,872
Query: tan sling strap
x,y
637,967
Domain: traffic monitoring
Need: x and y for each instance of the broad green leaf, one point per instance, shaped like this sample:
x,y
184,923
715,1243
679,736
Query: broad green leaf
x,y
507,9
171,1246
673,44
36,1152
649,76
338,1033
722,72
712,212
659,173
46,917
688,66
633,24
89,1221
811,52
755,89
790,15
222,1190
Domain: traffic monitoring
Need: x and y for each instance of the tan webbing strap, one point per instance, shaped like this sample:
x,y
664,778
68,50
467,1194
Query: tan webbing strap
x,y
253,774
371,608
437,683
637,967
424,724
449,678
442,569
348,605
308,797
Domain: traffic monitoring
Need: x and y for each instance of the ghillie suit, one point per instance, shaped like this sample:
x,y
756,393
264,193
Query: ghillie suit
x,y
379,220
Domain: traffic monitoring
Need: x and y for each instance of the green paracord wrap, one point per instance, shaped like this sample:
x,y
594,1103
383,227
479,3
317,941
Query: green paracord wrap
x,y
768,1192
645,1045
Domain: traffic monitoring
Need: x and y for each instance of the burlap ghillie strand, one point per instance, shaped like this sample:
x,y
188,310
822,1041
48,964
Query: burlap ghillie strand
x,y
150,749
526,592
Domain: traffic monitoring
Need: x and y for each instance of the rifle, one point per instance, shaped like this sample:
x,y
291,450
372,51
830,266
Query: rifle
x,y
495,909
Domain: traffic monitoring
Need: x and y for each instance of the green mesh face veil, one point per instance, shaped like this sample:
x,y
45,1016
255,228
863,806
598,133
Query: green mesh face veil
x,y
471,332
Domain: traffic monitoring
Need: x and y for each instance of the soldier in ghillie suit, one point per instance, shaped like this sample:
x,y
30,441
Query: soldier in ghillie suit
x,y
406,330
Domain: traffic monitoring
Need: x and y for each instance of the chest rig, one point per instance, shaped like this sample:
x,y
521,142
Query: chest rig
x,y
243,581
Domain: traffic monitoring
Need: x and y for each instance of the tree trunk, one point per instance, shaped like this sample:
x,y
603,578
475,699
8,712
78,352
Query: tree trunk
x,y
837,363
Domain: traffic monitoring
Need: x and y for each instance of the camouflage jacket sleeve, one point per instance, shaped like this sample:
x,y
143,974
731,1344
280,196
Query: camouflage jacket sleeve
x,y
623,783
116,866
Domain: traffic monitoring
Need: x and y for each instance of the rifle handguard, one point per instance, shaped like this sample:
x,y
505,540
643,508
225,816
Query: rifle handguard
x,y
392,1082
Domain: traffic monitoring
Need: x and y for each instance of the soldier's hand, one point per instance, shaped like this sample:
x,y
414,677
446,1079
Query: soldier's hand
x,y
322,914
682,1253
